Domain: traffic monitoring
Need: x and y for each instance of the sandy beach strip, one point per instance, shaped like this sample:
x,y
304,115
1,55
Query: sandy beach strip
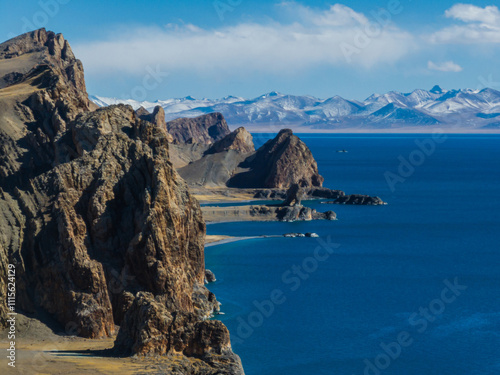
x,y
229,239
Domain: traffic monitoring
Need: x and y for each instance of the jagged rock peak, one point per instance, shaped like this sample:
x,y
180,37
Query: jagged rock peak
x,y
44,48
205,129
436,90
278,164
141,111
288,161
92,212
38,41
157,118
239,140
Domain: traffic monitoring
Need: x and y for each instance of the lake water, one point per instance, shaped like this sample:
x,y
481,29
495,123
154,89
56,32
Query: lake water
x,y
410,288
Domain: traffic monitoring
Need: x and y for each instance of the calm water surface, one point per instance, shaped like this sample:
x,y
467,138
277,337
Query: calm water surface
x,y
387,278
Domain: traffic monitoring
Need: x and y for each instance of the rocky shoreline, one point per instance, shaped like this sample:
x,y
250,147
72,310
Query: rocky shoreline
x,y
99,211
105,236
288,206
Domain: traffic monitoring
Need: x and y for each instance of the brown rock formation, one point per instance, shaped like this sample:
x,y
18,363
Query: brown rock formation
x,y
231,162
141,112
294,195
150,328
157,118
240,140
359,199
219,162
281,162
205,129
212,170
92,212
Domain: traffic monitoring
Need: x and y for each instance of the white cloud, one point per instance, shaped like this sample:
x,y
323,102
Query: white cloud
x,y
311,39
482,25
448,66
489,15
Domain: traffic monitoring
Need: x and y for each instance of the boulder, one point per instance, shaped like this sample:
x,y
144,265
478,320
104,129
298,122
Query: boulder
x,y
358,199
209,277
312,235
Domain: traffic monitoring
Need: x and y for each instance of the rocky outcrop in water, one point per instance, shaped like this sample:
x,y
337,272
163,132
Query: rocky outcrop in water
x,y
358,199
209,277
290,213
205,129
279,163
101,228
232,162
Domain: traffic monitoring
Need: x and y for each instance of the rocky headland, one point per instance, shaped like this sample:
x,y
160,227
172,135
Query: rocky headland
x,y
230,169
105,235
100,213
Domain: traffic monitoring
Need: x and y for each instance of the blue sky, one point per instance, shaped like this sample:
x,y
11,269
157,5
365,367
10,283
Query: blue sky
x,y
162,49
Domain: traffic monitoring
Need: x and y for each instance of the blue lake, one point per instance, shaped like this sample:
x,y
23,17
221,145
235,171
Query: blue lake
x,y
410,288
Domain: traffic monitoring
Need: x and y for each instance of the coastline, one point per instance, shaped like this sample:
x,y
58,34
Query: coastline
x,y
231,214
236,239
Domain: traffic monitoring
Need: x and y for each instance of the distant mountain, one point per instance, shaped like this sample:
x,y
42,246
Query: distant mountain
x,y
455,109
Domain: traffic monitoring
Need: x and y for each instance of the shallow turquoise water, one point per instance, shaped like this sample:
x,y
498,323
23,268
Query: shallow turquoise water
x,y
342,313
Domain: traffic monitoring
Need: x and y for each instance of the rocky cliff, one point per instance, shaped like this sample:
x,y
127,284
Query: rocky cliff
x,y
100,226
217,165
279,163
156,118
233,162
240,140
205,129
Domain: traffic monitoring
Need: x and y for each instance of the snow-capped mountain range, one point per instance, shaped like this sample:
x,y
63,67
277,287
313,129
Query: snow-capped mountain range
x,y
455,109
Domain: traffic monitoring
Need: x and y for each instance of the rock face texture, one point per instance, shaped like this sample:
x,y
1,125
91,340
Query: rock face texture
x,y
151,328
310,193
143,113
157,118
240,140
209,277
294,195
217,165
280,163
205,129
101,228
359,199
233,162
212,170
290,213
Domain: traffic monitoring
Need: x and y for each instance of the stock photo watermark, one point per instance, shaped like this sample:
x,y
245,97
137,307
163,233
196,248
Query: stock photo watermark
x,y
292,279
11,320
151,80
48,9
420,322
488,82
224,6
381,18
425,148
